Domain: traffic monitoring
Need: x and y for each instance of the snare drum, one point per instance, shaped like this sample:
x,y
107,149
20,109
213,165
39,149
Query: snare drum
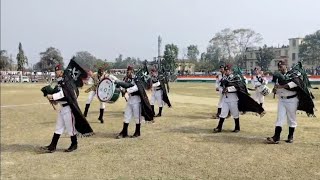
x,y
107,91
265,90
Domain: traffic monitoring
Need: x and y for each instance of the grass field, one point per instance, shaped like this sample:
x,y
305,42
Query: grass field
x,y
179,145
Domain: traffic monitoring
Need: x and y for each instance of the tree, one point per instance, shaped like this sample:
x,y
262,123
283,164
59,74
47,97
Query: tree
x,y
4,61
119,64
170,56
210,60
246,38
233,43
264,57
309,49
193,53
21,58
49,59
86,59
89,61
103,64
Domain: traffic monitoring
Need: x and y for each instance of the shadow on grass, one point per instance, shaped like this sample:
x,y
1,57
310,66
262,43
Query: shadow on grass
x,y
231,138
107,113
191,130
48,122
193,117
108,135
18,148
226,136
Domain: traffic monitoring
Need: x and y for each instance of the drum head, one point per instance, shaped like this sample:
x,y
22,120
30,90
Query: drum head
x,y
105,90
265,91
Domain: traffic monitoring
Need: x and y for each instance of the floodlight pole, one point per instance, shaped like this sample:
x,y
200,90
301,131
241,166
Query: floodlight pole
x,y
159,49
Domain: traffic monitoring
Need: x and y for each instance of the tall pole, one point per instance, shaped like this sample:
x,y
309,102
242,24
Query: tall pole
x,y
159,49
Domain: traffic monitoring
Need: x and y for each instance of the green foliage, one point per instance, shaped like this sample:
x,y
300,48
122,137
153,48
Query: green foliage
x,y
210,60
309,50
86,59
193,53
264,57
21,58
121,63
170,56
4,60
49,59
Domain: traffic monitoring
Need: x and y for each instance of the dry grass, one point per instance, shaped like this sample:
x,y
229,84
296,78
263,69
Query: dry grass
x,y
180,145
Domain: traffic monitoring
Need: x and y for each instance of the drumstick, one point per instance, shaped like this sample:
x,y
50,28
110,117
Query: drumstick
x,y
51,103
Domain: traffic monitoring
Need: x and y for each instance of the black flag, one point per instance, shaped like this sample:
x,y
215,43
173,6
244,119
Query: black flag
x,y
77,72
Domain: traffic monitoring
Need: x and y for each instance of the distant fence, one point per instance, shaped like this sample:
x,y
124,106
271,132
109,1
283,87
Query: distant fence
x,y
314,79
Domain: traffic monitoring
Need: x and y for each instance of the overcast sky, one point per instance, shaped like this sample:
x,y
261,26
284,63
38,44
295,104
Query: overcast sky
x,y
107,28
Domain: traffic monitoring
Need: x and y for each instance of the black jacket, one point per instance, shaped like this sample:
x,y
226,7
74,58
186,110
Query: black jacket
x,y
71,94
245,103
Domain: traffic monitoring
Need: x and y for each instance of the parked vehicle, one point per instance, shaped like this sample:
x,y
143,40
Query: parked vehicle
x,y
34,80
14,78
25,79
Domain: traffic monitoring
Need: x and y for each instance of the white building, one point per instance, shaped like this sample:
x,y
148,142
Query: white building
x,y
289,54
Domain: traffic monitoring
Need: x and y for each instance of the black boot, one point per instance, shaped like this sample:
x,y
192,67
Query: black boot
x,y
137,131
160,112
86,109
124,132
237,125
101,116
218,113
74,144
53,145
290,136
219,127
152,107
276,137
216,116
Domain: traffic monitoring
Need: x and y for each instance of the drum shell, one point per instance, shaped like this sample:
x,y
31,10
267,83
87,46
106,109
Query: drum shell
x,y
110,94
116,95
264,90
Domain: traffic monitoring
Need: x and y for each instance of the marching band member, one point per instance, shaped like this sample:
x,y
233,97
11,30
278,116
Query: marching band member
x,y
96,78
234,99
219,90
70,116
133,106
293,95
258,82
159,92
137,104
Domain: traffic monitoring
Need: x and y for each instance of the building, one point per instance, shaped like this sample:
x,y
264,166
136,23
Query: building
x,y
294,50
289,54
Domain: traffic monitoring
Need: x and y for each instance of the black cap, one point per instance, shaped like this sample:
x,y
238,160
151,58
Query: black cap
x,y
221,66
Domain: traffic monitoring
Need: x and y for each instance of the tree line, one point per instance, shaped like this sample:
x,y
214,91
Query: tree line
x,y
226,46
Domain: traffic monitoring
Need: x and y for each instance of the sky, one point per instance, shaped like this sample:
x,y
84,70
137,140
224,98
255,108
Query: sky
x,y
107,28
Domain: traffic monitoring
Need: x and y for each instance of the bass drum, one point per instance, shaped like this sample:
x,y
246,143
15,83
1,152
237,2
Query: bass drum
x,y
107,91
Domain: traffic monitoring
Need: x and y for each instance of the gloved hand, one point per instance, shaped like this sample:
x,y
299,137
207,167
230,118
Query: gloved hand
x,y
225,90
